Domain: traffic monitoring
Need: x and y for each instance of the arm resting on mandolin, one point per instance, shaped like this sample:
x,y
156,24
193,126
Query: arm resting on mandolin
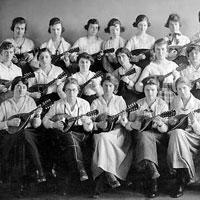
x,y
47,118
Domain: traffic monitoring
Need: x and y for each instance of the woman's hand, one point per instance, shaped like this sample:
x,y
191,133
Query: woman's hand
x,y
175,74
58,125
197,85
73,57
157,122
192,117
102,125
3,88
66,59
87,123
123,120
14,122
125,79
35,95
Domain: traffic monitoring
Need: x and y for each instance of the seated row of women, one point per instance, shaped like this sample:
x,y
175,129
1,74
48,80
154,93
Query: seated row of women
x,y
67,126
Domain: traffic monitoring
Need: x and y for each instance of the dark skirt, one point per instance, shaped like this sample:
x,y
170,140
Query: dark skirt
x,y
19,154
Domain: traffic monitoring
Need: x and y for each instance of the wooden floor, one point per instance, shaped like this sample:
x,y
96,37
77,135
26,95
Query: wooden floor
x,y
192,192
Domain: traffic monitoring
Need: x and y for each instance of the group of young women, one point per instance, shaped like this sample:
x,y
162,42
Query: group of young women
x,y
126,98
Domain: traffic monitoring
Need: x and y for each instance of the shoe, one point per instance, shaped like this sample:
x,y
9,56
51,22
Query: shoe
x,y
178,191
41,178
153,189
112,180
83,176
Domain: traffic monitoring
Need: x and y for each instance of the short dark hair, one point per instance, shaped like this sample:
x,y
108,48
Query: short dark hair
x,y
113,22
92,21
173,17
43,50
123,50
86,56
54,21
109,77
18,20
5,45
18,79
71,81
141,18
151,80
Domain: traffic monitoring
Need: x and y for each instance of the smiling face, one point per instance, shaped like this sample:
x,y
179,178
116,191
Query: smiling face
x,y
45,58
56,30
19,30
115,30
93,29
142,26
20,89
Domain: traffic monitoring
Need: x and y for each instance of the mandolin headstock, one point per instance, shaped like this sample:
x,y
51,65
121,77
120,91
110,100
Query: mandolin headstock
x,y
168,114
132,107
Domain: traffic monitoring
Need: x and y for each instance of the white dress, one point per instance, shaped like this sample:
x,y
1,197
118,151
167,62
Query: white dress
x,y
113,149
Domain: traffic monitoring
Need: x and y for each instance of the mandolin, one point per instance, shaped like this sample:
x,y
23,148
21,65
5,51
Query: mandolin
x,y
55,58
141,57
43,88
180,121
179,49
161,78
69,121
25,118
8,94
101,53
111,119
147,123
82,87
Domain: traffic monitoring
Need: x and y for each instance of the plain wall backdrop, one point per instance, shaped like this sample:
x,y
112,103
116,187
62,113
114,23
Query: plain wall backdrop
x,y
75,14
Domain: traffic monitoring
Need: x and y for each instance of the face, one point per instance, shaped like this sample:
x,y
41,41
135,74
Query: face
x,y
93,29
174,26
108,87
142,26
20,89
115,30
7,55
151,92
19,30
84,64
56,30
183,90
123,59
71,90
45,58
161,51
194,56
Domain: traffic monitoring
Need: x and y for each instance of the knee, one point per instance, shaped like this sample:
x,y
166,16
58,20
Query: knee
x,y
176,134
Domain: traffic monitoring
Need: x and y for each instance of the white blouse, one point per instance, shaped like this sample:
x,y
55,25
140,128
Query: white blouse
x,y
42,78
9,73
64,46
138,42
62,107
90,47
